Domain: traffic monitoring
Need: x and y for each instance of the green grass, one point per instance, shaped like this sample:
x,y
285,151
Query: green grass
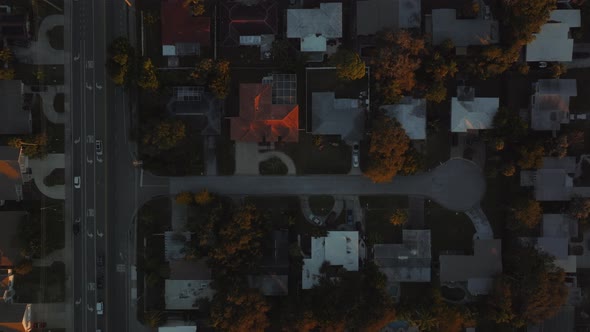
x,y
321,205
309,159
29,288
449,230
378,210
56,37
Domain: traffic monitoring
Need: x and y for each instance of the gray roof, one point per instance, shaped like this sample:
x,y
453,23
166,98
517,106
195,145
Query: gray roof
x,y
12,314
9,247
464,32
406,262
15,120
555,246
559,225
10,173
174,245
270,285
485,262
563,321
317,25
550,103
375,15
568,164
553,185
411,114
553,43
198,107
331,116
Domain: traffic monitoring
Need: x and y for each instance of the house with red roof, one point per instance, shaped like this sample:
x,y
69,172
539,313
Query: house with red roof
x,y
183,33
260,119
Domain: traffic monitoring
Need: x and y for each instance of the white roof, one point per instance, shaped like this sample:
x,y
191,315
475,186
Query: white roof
x,y
168,50
177,329
550,103
463,32
411,114
552,43
313,43
250,40
568,264
473,114
325,21
182,294
338,248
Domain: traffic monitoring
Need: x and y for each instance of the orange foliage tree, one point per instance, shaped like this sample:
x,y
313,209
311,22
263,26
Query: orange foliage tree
x,y
388,149
239,311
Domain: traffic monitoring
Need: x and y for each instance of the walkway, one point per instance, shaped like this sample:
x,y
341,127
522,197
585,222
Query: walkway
x,y
210,155
40,51
483,229
291,170
457,185
248,158
43,167
48,98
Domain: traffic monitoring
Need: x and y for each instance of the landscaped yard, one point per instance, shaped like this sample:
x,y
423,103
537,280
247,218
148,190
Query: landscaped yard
x,y
33,288
309,159
378,210
449,230
39,74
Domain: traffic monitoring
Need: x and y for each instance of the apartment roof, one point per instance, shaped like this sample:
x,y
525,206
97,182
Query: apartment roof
x,y
473,114
485,262
307,23
331,116
375,15
15,119
180,27
10,173
411,114
260,120
463,32
553,43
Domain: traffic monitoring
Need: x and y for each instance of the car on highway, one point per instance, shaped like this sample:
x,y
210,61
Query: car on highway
x,y
100,260
355,155
315,219
77,183
99,147
99,308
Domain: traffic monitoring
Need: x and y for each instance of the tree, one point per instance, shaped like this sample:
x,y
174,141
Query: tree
x,y
530,290
531,157
184,198
215,73
437,93
558,69
7,73
239,311
24,267
118,65
148,79
509,170
399,217
558,146
387,150
525,18
32,146
154,318
493,60
203,197
528,213
441,66
165,135
579,208
197,7
509,126
349,65
6,55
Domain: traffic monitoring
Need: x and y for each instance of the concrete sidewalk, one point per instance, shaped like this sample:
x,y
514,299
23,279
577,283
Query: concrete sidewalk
x,y
40,51
48,97
43,167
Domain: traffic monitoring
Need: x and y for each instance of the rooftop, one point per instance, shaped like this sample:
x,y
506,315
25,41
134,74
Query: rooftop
x,y
472,113
200,107
406,262
325,21
553,185
174,244
339,248
13,317
16,119
411,114
463,32
550,103
262,121
559,225
375,15
237,19
10,173
332,116
182,294
553,43
181,31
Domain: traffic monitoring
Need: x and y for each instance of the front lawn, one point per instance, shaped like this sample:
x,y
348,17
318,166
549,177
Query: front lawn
x,y
449,230
378,210
333,157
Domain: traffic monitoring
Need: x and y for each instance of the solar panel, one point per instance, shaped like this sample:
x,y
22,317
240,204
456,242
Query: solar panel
x,y
284,89
188,93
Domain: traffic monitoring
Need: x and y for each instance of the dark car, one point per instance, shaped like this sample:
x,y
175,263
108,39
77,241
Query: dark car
x,y
349,217
100,260
100,282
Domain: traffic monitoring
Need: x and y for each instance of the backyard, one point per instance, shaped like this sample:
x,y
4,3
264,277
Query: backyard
x,y
333,158
378,210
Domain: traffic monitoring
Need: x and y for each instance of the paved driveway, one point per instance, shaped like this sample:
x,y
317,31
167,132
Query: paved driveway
x,y
40,52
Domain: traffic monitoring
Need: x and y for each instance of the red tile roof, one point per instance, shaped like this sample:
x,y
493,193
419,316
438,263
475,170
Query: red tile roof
x,y
179,26
260,120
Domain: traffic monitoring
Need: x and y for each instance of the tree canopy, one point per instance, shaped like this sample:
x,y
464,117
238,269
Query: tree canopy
x,y
147,77
349,65
530,289
531,157
196,7
525,18
165,135
120,61
239,310
528,213
34,146
388,149
214,73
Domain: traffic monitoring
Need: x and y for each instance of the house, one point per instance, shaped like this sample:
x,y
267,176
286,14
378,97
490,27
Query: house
x,y
15,317
274,265
16,115
476,270
550,103
337,116
13,166
268,111
563,321
554,181
406,262
554,42
248,25
375,15
9,247
411,114
189,281
315,27
338,248
481,30
182,33
174,245
198,107
178,328
470,113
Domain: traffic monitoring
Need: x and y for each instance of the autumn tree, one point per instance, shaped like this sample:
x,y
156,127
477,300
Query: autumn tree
x,y
399,217
165,135
579,208
531,157
388,147
525,18
214,73
239,310
528,213
349,65
6,70
32,146
436,93
530,289
493,60
196,7
508,170
184,198
558,69
203,197
509,126
120,60
558,146
148,79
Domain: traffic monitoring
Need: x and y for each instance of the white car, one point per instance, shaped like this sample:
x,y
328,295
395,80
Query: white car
x,y
99,147
355,155
99,308
315,219
77,183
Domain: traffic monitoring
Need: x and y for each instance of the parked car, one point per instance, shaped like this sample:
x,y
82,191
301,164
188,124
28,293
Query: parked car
x,y
99,147
100,260
349,217
315,219
542,64
355,155
77,183
99,308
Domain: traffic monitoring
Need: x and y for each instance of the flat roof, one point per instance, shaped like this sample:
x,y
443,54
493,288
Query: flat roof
x,y
375,15
15,119
463,32
553,43
182,294
485,262
473,114
411,114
